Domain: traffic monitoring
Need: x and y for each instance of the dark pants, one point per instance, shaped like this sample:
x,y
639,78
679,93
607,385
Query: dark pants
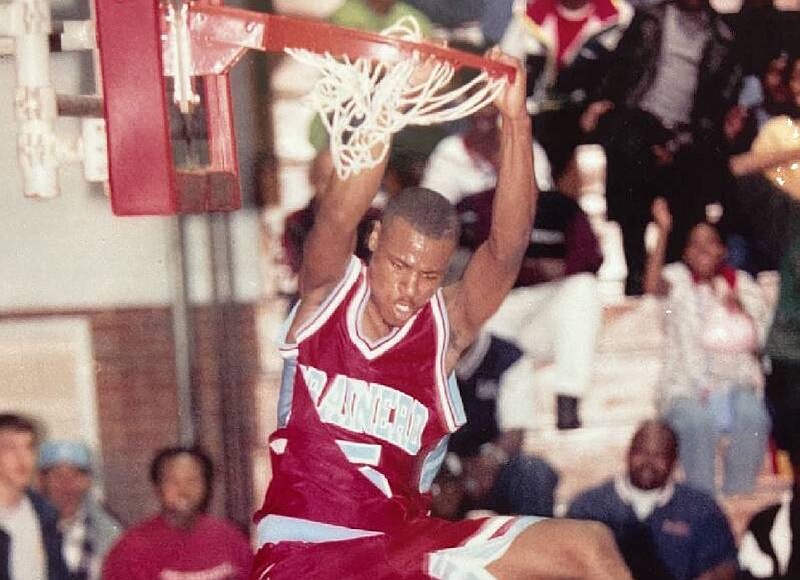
x,y
558,132
526,486
635,176
783,399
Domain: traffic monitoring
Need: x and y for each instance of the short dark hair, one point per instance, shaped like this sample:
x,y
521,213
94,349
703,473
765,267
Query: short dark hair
x,y
716,227
18,423
427,211
203,459
665,428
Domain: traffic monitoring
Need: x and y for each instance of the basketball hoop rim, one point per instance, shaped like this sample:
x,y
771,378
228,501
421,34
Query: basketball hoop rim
x,y
281,32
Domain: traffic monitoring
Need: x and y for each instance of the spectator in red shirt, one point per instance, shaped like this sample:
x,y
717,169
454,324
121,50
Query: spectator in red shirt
x,y
182,540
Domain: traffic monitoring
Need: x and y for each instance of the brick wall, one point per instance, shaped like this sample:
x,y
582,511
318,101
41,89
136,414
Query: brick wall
x,y
134,353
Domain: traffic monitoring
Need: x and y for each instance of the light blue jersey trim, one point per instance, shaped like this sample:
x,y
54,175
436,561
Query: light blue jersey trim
x,y
286,391
287,324
431,465
455,399
287,374
361,453
273,529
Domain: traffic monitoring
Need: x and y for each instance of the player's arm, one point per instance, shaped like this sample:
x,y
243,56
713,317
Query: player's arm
x,y
494,267
331,241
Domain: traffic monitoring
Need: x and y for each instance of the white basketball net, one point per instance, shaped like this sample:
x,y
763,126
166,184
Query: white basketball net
x,y
363,103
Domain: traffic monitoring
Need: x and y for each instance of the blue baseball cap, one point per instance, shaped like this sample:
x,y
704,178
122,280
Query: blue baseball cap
x,y
73,453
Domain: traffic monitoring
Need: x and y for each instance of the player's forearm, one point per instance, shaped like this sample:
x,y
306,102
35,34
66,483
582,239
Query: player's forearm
x,y
346,201
515,197
332,239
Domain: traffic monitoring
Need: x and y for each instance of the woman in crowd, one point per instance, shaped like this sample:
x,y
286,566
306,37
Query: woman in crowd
x,y
711,381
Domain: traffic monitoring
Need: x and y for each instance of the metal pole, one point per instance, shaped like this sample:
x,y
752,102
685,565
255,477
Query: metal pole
x,y
182,335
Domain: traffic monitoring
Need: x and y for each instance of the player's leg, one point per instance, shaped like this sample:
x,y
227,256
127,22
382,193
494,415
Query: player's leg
x,y
561,549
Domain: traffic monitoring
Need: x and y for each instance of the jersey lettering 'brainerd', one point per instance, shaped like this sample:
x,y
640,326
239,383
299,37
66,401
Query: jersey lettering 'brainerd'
x,y
368,408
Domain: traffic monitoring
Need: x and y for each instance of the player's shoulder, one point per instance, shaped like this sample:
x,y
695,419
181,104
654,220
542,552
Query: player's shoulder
x,y
323,299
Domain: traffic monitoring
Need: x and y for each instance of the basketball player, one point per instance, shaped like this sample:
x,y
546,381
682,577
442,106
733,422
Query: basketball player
x,y
367,404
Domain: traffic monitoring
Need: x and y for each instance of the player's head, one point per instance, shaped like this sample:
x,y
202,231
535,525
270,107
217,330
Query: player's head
x,y
182,477
652,455
18,441
411,250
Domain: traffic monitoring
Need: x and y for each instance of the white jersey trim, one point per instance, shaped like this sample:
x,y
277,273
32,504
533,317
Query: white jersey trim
x,y
324,311
355,314
273,529
488,544
449,397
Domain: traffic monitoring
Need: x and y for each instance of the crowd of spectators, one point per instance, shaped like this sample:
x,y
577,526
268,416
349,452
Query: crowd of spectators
x,y
52,526
694,109
691,107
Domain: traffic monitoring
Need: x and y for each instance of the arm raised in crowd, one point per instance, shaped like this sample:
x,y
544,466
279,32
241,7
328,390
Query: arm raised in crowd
x,y
654,282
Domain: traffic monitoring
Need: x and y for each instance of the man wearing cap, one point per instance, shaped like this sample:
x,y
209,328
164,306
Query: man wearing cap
x,y
65,470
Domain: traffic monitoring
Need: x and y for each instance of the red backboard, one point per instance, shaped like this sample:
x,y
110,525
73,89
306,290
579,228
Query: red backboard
x,y
143,179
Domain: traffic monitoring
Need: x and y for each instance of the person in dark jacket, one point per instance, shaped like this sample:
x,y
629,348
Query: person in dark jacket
x,y
661,120
30,543
486,467
666,530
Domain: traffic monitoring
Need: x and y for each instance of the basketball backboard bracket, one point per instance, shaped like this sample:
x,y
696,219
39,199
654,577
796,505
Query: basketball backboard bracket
x,y
143,42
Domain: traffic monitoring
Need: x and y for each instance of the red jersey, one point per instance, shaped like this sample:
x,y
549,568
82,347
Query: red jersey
x,y
363,428
364,424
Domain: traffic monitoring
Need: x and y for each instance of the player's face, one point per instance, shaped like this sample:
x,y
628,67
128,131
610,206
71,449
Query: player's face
x,y
406,268
650,458
66,487
17,459
183,487
704,251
